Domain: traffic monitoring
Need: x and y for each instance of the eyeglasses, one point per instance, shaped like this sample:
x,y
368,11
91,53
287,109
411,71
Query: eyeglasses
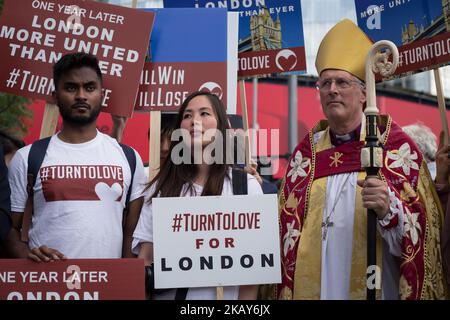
x,y
341,84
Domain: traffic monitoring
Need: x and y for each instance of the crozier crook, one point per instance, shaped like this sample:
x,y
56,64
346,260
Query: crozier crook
x,y
372,153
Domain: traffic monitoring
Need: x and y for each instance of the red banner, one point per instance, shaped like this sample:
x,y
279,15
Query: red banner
x,y
429,53
35,34
271,61
75,279
81,182
164,86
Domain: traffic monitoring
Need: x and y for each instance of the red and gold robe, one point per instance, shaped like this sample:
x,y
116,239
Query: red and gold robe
x,y
302,199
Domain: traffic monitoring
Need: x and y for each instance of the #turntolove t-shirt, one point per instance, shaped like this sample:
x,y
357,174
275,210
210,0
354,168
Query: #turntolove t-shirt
x,y
79,196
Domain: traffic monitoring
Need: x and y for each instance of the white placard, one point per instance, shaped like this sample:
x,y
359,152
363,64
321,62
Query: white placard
x,y
216,241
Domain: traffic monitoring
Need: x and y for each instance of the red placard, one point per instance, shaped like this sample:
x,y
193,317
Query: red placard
x,y
74,279
271,61
424,54
34,34
164,86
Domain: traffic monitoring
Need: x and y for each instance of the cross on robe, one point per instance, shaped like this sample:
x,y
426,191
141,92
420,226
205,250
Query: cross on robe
x,y
325,226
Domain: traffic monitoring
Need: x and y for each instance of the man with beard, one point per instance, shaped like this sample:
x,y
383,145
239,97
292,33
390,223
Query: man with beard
x,y
79,193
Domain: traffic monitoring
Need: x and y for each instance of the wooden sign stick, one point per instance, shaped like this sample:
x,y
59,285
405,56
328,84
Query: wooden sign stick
x,y
49,121
155,143
441,103
219,293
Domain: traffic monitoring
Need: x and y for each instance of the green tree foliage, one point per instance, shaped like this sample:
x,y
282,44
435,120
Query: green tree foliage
x,y
15,117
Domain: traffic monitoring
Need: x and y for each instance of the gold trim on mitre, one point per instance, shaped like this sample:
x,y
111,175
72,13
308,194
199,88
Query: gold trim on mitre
x,y
344,47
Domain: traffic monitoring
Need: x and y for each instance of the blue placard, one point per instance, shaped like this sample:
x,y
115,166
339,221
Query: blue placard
x,y
419,28
189,35
289,11
388,20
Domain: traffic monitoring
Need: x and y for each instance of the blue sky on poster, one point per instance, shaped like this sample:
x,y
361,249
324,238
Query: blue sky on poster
x,y
291,20
396,15
189,35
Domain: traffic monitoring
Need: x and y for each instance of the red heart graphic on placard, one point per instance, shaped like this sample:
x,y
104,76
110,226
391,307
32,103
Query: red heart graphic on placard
x,y
286,60
217,91
287,63
213,88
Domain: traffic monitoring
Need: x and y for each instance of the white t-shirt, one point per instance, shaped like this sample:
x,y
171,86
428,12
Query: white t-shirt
x,y
79,196
144,233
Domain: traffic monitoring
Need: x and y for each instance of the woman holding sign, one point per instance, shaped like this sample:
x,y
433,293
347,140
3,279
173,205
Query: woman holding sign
x,y
197,166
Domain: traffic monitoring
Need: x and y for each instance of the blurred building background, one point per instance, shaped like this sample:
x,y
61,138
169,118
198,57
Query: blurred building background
x,y
318,17
409,100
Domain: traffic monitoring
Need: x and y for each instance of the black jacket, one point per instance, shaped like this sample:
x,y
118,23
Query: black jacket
x,y
5,202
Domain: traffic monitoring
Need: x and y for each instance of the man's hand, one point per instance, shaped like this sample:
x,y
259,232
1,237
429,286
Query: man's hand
x,y
119,124
375,195
251,169
45,254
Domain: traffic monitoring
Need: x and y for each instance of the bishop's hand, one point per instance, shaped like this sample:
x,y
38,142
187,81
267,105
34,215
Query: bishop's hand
x,y
375,195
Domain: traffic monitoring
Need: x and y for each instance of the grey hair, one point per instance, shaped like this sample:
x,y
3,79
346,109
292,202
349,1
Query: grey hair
x,y
424,138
